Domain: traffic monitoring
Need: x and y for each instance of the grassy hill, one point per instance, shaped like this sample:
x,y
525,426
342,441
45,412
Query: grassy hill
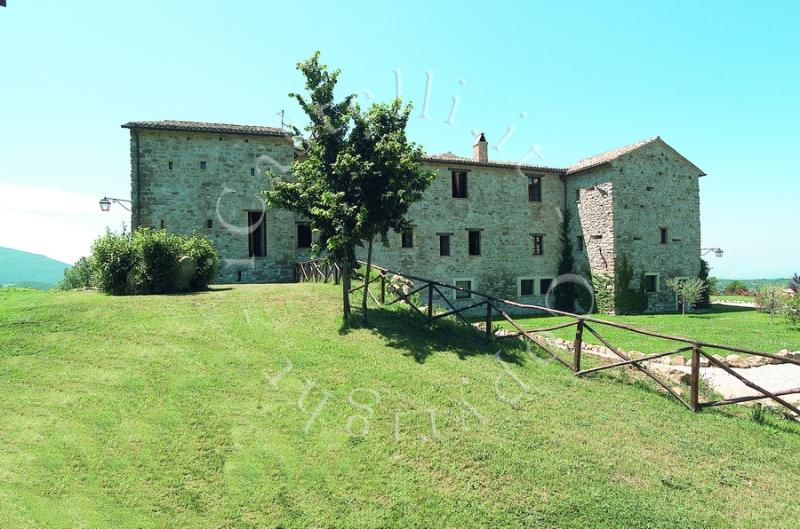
x,y
755,284
29,270
251,407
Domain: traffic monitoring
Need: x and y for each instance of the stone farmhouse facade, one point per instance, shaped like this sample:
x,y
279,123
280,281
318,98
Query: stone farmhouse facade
x,y
488,225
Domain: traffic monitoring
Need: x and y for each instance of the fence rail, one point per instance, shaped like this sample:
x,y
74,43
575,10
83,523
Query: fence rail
x,y
389,281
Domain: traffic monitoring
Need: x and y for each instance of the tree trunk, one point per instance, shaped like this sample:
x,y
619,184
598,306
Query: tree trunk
x,y
683,308
366,281
346,285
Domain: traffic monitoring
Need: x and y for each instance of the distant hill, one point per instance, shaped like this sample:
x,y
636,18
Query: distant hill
x,y
29,270
754,284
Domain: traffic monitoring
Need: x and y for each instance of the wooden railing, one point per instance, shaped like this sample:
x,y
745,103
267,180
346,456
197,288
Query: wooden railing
x,y
386,281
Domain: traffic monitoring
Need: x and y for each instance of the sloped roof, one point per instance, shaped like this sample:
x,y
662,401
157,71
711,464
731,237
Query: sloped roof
x,y
614,154
201,126
449,157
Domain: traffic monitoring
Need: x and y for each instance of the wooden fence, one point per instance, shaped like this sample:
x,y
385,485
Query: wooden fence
x,y
386,281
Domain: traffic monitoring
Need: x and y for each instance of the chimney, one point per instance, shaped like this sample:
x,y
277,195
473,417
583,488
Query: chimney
x,y
480,150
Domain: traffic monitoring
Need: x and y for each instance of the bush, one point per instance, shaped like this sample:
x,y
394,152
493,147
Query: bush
x,y
770,299
709,284
78,276
201,249
113,258
628,300
148,262
157,255
791,309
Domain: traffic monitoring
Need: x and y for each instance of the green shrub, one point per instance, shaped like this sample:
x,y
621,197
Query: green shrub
x,y
157,255
708,282
113,259
603,285
78,276
791,309
628,300
147,262
201,249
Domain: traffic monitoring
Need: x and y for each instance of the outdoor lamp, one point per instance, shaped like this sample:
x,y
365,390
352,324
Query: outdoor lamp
x,y
718,252
105,204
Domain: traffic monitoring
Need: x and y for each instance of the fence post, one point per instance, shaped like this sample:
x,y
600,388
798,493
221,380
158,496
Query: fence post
x,y
383,288
430,301
489,313
335,274
576,357
694,397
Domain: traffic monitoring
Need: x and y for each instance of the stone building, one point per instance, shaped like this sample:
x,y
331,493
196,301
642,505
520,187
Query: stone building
x,y
492,226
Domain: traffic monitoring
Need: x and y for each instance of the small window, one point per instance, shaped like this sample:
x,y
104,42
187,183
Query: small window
x,y
664,235
169,164
526,287
202,165
474,242
252,171
238,274
162,224
578,196
538,245
544,286
579,244
535,188
257,238
303,236
444,245
407,238
651,283
459,184
209,224
465,284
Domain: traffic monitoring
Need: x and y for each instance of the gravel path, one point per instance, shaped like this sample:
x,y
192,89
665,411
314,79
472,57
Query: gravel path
x,y
773,377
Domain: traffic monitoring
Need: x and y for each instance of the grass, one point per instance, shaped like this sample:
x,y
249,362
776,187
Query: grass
x,y
252,407
736,326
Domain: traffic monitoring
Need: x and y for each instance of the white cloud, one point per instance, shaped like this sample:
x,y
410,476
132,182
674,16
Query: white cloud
x,y
53,222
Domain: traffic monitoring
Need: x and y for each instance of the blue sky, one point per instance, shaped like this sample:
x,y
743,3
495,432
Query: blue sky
x,y
717,80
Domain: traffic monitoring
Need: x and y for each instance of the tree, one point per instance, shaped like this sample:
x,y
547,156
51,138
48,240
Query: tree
x,y
565,292
736,288
359,174
688,291
705,299
770,299
391,176
794,283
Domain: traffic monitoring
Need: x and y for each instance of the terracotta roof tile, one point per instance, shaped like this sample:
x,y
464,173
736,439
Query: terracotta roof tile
x,y
449,157
608,156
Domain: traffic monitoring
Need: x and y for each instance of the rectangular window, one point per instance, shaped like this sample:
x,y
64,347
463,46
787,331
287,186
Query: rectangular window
x,y
535,188
466,284
252,171
578,196
209,224
651,283
664,235
169,165
526,287
303,236
407,238
257,238
202,165
474,242
579,243
544,286
444,245
459,184
538,245
162,224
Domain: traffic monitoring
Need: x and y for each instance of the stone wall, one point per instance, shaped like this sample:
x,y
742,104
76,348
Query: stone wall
x,y
497,204
187,197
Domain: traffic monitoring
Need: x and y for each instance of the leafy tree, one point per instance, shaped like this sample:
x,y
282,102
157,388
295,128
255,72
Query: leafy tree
x,y
713,285
770,299
736,288
626,299
688,291
390,176
791,309
359,174
794,283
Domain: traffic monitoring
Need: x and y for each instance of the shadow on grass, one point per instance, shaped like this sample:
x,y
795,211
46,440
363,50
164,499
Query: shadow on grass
x,y
406,331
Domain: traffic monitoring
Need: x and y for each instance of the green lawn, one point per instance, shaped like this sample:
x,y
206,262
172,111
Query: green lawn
x,y
735,326
170,411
